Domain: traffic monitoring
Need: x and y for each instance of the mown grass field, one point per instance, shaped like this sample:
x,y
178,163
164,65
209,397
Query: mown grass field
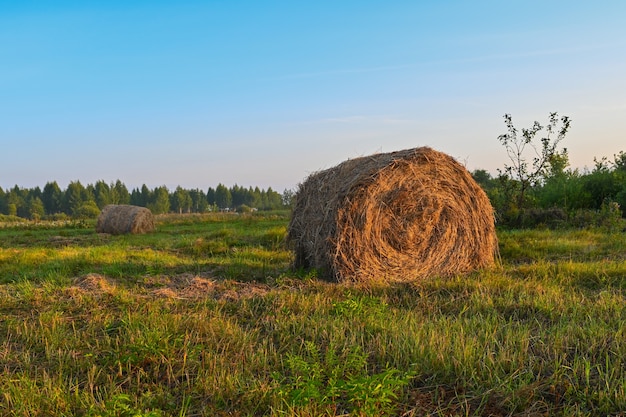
x,y
205,318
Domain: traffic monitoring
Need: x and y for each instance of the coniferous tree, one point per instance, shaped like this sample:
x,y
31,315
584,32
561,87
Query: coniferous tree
x,y
199,203
181,200
120,194
135,197
161,201
274,200
102,193
74,197
87,194
239,193
223,198
35,192
249,197
146,195
16,198
210,196
52,198
3,202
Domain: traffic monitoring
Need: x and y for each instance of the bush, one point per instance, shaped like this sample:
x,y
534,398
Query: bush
x,y
609,217
583,218
56,217
244,209
87,210
7,218
550,218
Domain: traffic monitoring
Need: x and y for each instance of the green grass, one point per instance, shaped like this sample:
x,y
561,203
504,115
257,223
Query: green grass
x,y
204,317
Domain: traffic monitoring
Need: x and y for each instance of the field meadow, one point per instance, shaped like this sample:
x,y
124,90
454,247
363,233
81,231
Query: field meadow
x,y
204,317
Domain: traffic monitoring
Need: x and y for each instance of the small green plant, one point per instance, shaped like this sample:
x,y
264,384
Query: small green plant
x,y
610,216
367,307
339,378
121,405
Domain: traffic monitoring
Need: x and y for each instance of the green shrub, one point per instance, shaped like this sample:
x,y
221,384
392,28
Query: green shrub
x,y
550,218
244,209
609,217
87,210
56,217
8,218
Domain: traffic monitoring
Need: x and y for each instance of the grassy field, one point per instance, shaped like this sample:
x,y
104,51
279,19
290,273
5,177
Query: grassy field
x,y
205,318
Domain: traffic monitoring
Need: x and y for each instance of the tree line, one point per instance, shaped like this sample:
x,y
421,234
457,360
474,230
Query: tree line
x,y
536,187
78,201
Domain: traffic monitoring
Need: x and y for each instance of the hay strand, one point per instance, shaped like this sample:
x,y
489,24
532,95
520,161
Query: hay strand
x,y
398,216
123,218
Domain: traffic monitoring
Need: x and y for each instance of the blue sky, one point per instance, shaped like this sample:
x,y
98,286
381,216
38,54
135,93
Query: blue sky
x,y
263,93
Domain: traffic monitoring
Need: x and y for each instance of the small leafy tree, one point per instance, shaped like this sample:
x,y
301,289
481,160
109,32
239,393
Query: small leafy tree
x,y
161,201
17,202
181,200
532,160
87,210
273,199
288,197
36,209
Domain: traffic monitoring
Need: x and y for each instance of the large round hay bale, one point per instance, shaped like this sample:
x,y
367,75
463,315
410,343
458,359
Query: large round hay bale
x,y
123,218
398,216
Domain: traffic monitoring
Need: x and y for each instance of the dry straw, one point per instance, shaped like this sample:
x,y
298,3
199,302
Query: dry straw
x,y
120,219
398,216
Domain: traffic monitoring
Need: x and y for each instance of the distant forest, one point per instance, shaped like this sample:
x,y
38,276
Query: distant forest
x,y
78,201
557,196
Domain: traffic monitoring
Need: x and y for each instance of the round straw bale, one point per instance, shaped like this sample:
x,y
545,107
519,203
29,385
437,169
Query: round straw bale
x,y
123,218
399,216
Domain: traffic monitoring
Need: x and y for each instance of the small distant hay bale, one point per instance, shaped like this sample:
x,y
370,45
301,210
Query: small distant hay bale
x,y
123,218
395,217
